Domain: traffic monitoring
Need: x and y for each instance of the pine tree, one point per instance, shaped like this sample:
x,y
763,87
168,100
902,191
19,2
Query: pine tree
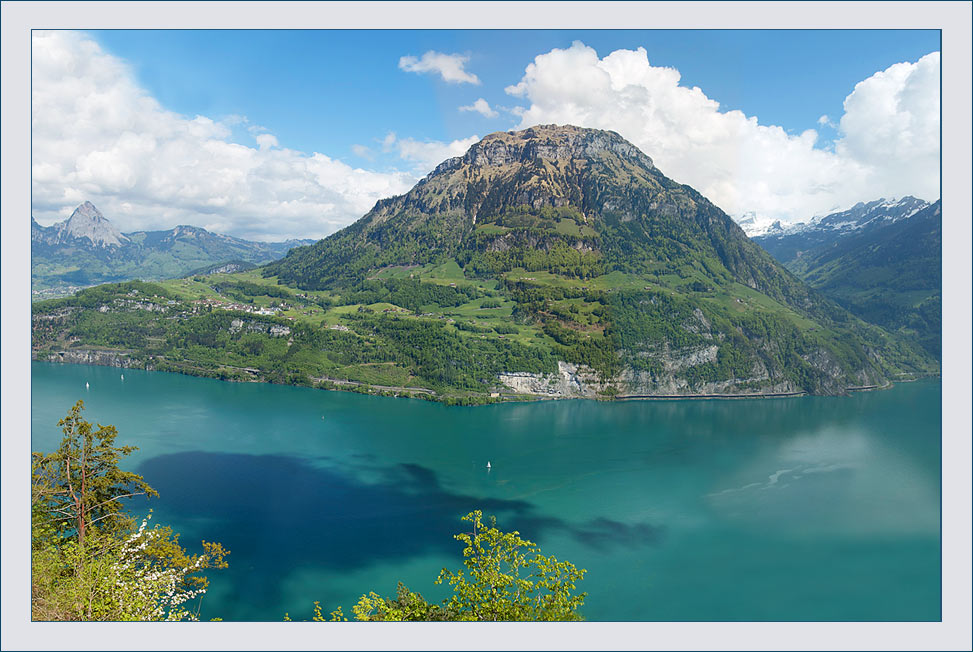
x,y
79,485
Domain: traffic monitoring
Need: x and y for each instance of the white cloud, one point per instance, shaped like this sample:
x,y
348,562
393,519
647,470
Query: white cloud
x,y
482,107
888,137
891,123
451,67
97,135
825,121
266,141
427,155
363,151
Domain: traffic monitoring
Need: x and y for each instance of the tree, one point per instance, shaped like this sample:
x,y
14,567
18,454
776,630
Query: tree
x,y
88,560
494,587
506,579
80,484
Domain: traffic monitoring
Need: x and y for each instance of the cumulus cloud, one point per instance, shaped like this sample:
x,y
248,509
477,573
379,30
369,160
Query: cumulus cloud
x,y
891,123
888,141
97,135
266,141
451,67
482,107
426,155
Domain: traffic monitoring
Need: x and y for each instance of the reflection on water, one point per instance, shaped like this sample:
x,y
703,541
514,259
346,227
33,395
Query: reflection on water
x,y
791,509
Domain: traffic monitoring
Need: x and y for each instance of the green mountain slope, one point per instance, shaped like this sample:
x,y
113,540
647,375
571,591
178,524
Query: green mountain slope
x,y
890,275
554,261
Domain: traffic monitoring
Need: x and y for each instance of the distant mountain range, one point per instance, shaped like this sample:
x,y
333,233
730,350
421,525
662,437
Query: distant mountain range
x,y
87,249
787,242
882,260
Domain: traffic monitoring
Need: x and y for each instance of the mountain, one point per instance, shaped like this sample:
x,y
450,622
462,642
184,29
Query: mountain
x,y
87,249
633,274
786,243
754,226
85,223
554,261
229,267
886,270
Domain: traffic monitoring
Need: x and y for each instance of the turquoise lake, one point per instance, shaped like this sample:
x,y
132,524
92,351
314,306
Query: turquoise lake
x,y
814,508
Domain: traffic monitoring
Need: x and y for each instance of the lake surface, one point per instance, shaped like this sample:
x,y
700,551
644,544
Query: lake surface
x,y
814,508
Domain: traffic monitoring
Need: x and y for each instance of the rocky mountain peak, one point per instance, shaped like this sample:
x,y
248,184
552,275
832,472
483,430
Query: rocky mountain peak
x,y
186,230
87,222
552,142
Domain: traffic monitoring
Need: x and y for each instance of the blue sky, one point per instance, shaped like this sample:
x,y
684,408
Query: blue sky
x,y
297,83
275,134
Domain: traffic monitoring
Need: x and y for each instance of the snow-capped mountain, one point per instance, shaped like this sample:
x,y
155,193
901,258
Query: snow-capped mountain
x,y
856,217
787,242
755,226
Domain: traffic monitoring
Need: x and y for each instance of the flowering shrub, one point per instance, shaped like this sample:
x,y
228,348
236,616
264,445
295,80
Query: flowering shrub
x,y
88,560
135,578
151,588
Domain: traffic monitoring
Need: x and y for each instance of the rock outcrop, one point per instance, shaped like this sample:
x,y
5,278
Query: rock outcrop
x,y
570,381
102,358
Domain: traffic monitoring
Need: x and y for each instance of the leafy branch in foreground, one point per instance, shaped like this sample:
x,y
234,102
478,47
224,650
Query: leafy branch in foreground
x,y
505,579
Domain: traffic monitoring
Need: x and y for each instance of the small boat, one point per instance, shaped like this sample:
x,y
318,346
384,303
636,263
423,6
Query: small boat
x,y
123,376
86,385
488,464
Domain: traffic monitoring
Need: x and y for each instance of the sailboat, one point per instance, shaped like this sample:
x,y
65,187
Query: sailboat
x,y
488,464
123,376
86,385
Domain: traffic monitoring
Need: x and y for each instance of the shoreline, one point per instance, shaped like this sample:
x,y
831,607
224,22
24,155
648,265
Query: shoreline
x,y
333,384
677,397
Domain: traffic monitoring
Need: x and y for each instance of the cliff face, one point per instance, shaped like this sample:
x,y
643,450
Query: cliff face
x,y
551,142
101,358
570,381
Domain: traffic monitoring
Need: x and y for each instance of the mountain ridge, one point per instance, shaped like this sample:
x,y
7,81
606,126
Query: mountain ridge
x,y
786,243
87,249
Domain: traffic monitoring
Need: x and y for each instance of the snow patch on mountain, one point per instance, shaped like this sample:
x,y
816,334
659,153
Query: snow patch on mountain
x,y
846,221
